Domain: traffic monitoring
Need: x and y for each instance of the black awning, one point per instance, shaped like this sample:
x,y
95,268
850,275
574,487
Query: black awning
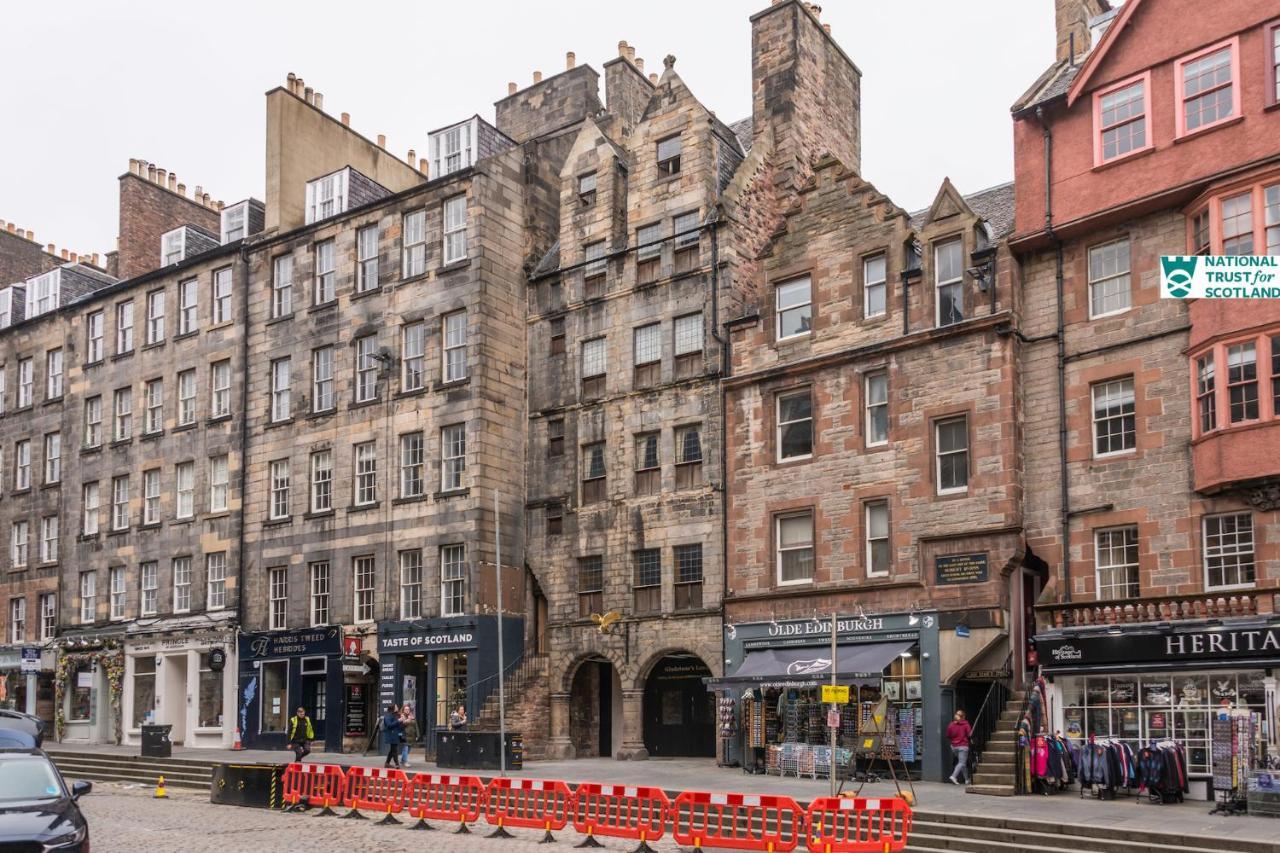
x,y
811,665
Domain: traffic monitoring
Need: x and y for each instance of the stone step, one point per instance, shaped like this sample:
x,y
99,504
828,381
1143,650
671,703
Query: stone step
x,y
68,767
991,790
64,754
105,774
1006,767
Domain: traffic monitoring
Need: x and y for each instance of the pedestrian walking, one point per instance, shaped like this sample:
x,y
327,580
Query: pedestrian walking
x,y
458,719
301,734
393,731
958,733
409,720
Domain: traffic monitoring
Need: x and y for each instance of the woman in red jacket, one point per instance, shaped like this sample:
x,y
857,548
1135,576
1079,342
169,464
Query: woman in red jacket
x,y
958,733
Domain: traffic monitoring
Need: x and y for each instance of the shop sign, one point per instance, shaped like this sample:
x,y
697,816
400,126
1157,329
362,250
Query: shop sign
x,y
833,718
953,569
217,659
1146,647
314,641
835,693
355,720
818,627
986,674
962,631
431,641
30,659
352,645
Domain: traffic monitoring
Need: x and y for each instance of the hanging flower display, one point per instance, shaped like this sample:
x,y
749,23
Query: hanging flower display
x,y
110,659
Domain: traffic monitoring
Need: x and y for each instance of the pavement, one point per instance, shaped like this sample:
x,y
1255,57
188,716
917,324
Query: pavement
x,y
1190,818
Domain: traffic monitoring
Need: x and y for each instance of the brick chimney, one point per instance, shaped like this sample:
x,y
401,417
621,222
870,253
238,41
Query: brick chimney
x,y
1071,21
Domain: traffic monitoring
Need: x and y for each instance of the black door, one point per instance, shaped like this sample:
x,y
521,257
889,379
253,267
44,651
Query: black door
x,y
679,712
606,708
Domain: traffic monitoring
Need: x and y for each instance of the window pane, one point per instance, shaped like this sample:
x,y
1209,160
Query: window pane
x,y
1109,278
1114,421
1117,562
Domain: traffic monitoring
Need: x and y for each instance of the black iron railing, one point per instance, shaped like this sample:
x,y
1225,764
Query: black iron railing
x,y
987,720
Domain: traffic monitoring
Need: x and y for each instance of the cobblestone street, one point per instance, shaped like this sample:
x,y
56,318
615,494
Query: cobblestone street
x,y
124,819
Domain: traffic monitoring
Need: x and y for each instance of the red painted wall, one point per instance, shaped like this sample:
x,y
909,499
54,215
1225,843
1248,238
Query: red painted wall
x,y
1159,33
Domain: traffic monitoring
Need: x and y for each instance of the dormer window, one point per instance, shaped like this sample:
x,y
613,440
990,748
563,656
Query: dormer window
x,y
6,307
326,196
173,246
235,222
669,156
587,189
44,292
453,148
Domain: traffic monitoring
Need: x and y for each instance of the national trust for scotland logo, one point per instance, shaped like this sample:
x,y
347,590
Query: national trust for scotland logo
x,y
1220,277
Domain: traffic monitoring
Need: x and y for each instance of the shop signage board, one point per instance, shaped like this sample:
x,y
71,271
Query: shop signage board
x,y
355,720
217,659
439,640
954,569
835,693
312,641
1126,647
30,659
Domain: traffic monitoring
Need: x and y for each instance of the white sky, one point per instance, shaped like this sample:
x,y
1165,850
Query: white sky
x,y
91,83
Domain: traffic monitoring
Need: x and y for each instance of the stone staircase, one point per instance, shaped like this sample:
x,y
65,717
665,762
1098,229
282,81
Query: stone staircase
x,y
933,832
997,765
102,767
528,706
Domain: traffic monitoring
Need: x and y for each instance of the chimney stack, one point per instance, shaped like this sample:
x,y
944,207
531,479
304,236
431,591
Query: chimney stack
x,y
622,49
653,78
346,119
512,88
382,140
308,95
173,181
422,165
826,28
631,53
319,101
151,172
182,190
290,82
75,259
51,249
570,60
161,177
63,254
299,88
537,77
640,64
413,155
1071,20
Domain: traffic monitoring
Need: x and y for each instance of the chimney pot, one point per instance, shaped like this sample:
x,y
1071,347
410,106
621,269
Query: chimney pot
x,y
570,60
95,259
182,190
161,176
346,119
11,228
422,165
653,77
537,76
199,192
173,181
133,165
382,140
63,254
51,249
290,80
631,52
151,172
622,48
220,204
826,28
413,155
319,101
298,87
639,63
204,199
512,88
309,95
75,259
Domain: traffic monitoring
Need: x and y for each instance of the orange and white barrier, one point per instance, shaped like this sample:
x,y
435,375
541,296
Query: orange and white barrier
x,y
857,825
737,822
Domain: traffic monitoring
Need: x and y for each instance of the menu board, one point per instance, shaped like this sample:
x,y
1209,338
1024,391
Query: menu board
x,y
355,723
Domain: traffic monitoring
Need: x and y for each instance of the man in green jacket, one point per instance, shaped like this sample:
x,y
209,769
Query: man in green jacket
x,y
301,734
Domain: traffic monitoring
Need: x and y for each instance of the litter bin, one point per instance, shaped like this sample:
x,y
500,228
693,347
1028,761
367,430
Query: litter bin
x,y
155,742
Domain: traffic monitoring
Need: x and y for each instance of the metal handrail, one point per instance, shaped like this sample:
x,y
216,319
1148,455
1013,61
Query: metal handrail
x,y
987,720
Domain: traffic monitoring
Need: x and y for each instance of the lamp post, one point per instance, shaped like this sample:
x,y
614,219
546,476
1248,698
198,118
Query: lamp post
x,y
834,706
502,690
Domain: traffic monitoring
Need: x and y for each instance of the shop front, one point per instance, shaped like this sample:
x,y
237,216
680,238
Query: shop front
x,y
185,680
281,671
88,684
770,713
1151,684
435,665
26,681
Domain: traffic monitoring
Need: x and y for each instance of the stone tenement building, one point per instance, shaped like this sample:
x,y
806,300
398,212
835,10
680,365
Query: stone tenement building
x,y
1150,439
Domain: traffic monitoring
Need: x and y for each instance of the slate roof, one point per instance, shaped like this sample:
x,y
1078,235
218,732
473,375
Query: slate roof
x,y
1052,84
742,130
550,261
994,205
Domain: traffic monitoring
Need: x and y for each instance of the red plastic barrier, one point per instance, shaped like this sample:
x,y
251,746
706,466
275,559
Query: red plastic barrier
x,y
381,789
458,799
737,822
855,825
527,803
621,811
323,785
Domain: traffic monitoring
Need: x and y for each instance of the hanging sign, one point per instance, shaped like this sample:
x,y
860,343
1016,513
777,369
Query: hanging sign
x,y
833,719
30,659
217,659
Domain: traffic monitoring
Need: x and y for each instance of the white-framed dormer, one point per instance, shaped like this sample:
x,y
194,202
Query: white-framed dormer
x,y
235,223
453,147
44,293
173,246
327,195
6,307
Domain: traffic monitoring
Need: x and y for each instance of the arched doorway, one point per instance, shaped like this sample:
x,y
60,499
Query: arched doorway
x,y
679,711
595,709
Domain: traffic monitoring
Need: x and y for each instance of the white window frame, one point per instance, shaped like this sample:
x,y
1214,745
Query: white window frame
x,y
319,595
805,308
1222,550
413,241
322,365
153,413
365,473
594,358
413,356
122,414
181,584
93,421
1102,277
413,449
188,306
220,389
1104,553
646,346
780,424
53,363
278,597
779,549
452,148
48,615
454,351
325,256
411,577
44,293
124,327
52,457
367,259
868,510
120,515
90,507
50,531
151,496
148,587
282,286
117,594
155,316
88,597
187,397
1106,387
870,406
173,246
453,457
939,454
234,223
26,383
278,478
320,497
939,283
223,284
326,196
872,282
22,464
19,543
364,597
281,389
687,334
95,336
453,580
184,485
454,239
17,620
366,350
219,482
216,580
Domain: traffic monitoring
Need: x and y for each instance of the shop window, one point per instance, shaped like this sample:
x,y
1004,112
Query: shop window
x,y
952,452
794,538
144,689
275,696
590,585
793,304
688,457
451,685
795,425
647,355
1109,285
688,576
1116,563
648,253
593,473
687,345
1114,418
1228,550
1206,394
82,678
879,553
210,701
1207,90
1242,381
648,470
647,580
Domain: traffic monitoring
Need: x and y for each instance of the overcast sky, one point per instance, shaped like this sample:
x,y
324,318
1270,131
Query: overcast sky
x,y
87,85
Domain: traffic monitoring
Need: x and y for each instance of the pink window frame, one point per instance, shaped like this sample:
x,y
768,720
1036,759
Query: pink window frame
x,y
1180,102
1145,79
1256,190
1268,50
1221,392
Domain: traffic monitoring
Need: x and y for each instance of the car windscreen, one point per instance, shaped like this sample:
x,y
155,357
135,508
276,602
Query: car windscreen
x,y
28,779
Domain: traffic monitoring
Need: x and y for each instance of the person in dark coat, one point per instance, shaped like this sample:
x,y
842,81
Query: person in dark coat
x,y
393,731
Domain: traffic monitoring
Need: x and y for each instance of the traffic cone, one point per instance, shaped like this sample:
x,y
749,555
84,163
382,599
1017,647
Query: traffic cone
x,y
237,745
160,793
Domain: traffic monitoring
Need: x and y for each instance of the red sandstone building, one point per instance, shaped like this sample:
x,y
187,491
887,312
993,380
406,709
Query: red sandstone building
x,y
1151,427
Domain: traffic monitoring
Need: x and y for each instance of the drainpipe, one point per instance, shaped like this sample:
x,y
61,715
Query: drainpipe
x,y
244,454
725,363
1064,486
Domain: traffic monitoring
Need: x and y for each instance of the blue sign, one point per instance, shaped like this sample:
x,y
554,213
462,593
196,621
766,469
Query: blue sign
x,y
30,659
962,630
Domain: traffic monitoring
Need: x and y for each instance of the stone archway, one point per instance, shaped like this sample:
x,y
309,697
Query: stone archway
x,y
595,707
678,713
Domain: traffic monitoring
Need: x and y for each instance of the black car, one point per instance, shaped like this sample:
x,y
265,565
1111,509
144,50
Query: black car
x,y
32,725
37,812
